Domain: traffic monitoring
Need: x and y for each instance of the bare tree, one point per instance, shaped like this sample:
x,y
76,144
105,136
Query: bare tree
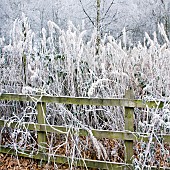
x,y
102,15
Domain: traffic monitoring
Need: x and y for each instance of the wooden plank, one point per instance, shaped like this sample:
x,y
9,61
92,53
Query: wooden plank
x,y
63,130
77,162
41,109
129,123
82,100
99,134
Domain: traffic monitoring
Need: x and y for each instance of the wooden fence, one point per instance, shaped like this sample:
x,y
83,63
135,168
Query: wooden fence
x,y
129,136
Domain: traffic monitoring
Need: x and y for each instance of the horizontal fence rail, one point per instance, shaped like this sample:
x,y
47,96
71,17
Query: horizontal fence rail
x,y
99,134
129,136
83,100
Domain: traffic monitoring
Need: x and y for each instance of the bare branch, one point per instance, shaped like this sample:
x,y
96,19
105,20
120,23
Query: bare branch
x,y
108,9
113,19
86,13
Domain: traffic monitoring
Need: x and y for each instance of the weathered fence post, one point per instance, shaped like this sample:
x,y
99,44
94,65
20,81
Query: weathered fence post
x,y
129,121
41,109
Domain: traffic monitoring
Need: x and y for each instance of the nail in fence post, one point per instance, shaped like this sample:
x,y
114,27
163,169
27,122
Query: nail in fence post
x,y
129,121
41,109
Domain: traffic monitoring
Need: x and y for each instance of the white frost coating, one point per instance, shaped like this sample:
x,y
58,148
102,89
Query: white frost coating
x,y
124,36
162,31
94,86
28,90
163,48
150,42
30,69
34,77
83,24
52,25
44,40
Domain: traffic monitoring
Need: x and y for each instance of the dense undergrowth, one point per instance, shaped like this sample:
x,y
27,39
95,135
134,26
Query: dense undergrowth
x,y
65,63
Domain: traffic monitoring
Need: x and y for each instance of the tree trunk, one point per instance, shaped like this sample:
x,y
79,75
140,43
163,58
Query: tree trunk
x,y
98,27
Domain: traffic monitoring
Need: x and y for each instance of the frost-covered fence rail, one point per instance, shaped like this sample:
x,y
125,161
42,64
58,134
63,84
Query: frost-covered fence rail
x,y
129,136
